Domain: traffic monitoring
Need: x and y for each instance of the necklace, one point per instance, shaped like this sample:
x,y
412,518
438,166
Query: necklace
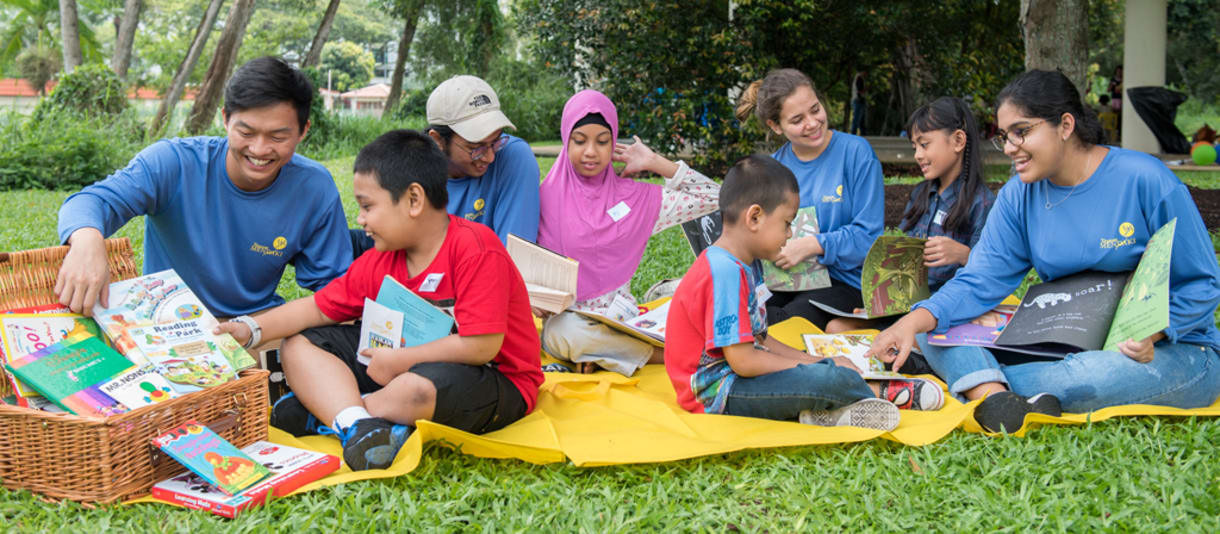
x,y
1050,206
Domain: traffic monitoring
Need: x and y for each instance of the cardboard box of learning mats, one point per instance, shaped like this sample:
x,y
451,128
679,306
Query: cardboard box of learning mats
x,y
94,459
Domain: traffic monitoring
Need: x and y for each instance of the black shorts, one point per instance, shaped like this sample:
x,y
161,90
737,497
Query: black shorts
x,y
473,398
785,304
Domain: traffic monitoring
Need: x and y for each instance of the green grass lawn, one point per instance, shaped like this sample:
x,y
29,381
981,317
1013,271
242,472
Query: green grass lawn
x,y
1125,474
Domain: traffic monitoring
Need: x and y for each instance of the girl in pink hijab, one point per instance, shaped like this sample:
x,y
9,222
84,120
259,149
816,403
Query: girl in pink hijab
x,y
591,214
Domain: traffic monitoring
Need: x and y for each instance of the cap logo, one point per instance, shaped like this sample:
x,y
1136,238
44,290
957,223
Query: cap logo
x,y
480,100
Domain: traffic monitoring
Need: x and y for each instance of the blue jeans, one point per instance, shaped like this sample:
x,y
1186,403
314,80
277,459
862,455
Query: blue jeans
x,y
783,394
1180,375
858,111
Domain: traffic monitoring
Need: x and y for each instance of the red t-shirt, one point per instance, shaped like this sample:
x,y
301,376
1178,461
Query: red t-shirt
x,y
717,305
473,278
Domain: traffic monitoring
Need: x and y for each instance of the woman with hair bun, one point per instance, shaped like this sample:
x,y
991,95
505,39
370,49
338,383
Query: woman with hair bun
x,y
839,176
1070,198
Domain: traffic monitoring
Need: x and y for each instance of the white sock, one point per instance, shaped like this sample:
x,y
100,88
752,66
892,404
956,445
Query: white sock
x,y
348,417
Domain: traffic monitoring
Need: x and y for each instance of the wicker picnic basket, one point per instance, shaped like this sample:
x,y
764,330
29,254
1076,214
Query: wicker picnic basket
x,y
103,460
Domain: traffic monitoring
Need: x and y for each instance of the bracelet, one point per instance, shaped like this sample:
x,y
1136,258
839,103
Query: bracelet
x,y
256,331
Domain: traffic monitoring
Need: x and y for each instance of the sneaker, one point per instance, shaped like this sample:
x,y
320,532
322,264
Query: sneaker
x,y
867,413
663,288
913,394
556,367
289,415
1005,411
372,443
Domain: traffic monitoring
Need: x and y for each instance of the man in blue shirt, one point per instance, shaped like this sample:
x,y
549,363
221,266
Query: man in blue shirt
x,y
493,176
227,213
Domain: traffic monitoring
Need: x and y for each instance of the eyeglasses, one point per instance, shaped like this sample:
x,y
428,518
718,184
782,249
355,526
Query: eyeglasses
x,y
1016,136
479,151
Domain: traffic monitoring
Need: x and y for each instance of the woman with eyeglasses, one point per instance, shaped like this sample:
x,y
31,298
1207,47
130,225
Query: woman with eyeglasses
x,y
603,220
1060,215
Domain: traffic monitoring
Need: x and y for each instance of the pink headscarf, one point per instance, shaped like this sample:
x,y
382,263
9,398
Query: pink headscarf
x,y
574,219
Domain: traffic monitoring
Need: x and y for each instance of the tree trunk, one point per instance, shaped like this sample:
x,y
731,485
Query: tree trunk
x,y
204,110
319,39
69,27
411,15
185,68
1057,37
126,37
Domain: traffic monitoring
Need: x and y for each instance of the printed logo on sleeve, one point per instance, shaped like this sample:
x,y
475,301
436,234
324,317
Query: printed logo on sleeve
x,y
1126,230
724,325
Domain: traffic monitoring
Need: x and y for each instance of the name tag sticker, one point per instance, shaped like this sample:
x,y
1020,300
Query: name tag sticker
x,y
940,217
432,282
762,293
619,211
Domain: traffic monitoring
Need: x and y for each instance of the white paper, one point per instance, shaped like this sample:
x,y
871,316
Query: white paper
x,y
380,326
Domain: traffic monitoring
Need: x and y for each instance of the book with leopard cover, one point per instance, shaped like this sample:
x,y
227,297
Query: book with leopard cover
x,y
1090,310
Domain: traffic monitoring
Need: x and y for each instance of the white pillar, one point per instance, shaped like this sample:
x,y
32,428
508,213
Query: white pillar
x,y
1144,36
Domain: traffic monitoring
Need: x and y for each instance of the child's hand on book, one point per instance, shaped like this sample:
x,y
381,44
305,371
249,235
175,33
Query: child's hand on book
x,y
239,331
798,250
1141,351
941,250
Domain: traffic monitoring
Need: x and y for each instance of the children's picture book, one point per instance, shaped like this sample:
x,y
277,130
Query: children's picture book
x,y
854,347
648,327
421,321
24,333
69,373
185,353
138,387
892,280
702,232
1086,311
160,297
806,275
980,333
380,326
550,277
290,469
211,457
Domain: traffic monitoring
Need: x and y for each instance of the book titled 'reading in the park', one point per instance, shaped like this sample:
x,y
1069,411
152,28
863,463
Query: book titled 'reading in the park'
x,y
211,457
892,279
422,322
290,469
69,372
550,277
187,353
1090,310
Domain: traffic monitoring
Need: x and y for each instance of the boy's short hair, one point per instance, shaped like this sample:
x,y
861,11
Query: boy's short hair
x,y
268,81
400,158
756,179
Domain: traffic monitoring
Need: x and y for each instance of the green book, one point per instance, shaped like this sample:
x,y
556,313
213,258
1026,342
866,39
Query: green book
x,y
806,275
68,374
892,279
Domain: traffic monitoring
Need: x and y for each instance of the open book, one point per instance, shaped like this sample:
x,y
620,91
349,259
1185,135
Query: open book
x,y
1085,311
550,277
702,232
893,279
854,347
648,327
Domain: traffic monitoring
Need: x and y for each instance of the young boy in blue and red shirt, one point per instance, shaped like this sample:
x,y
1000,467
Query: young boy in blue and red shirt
x,y
479,379
717,353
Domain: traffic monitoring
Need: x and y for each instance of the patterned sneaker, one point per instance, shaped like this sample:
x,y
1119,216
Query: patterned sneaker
x,y
290,415
1005,411
372,443
913,394
663,288
867,413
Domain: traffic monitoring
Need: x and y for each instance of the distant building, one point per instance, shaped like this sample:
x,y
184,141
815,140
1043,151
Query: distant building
x,y
18,95
366,101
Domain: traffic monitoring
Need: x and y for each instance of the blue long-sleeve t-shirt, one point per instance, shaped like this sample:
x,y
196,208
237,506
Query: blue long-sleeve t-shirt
x,y
1103,225
505,198
229,246
844,184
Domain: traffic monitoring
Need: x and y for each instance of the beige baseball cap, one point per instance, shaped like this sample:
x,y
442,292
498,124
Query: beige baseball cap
x,y
467,105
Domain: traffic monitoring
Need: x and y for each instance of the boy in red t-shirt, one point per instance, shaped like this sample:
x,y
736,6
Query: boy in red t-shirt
x,y
717,353
479,379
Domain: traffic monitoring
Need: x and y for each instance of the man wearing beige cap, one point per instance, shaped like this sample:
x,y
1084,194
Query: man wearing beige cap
x,y
493,176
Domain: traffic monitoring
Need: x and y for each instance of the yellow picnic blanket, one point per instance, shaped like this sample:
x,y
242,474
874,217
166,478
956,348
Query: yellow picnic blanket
x,y
608,419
